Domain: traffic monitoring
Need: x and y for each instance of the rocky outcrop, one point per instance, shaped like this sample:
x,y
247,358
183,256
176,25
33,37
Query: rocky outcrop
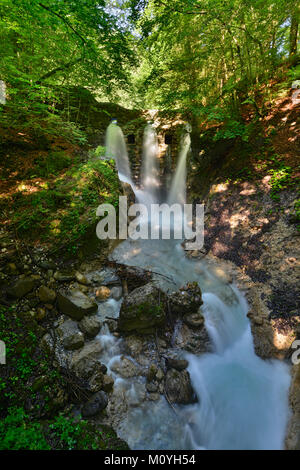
x,y
143,310
75,304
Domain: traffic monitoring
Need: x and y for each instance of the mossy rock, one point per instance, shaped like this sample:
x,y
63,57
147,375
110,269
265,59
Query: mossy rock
x,y
143,310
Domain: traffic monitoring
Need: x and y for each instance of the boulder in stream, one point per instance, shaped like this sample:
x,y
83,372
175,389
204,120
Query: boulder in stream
x,y
70,335
90,326
143,310
75,304
178,387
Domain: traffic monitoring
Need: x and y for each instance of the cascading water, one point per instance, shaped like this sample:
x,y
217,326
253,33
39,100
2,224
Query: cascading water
x,y
242,399
116,149
177,192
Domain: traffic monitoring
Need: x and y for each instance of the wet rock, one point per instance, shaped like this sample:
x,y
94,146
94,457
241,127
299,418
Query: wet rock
x,y
133,345
85,361
178,364
45,264
47,343
102,293
186,300
75,304
116,292
143,310
108,383
90,326
109,277
136,395
22,287
46,295
152,371
125,368
152,387
159,375
95,404
112,325
178,387
153,396
106,309
194,320
193,340
70,335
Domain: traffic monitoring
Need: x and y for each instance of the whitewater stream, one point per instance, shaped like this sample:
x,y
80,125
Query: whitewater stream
x,y
242,399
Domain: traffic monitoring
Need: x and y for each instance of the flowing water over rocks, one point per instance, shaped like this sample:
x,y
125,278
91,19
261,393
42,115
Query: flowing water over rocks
x,y
227,398
242,400
184,375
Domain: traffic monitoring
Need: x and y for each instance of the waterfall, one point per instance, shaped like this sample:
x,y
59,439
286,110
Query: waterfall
x,y
150,168
116,149
177,192
243,400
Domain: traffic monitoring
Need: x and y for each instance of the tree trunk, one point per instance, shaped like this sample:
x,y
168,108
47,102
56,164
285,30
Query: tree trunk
x,y
294,34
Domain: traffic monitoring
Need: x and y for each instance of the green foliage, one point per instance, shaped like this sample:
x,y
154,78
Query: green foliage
x,y
294,73
281,177
97,152
231,130
29,376
54,162
18,433
214,53
19,333
66,211
51,46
